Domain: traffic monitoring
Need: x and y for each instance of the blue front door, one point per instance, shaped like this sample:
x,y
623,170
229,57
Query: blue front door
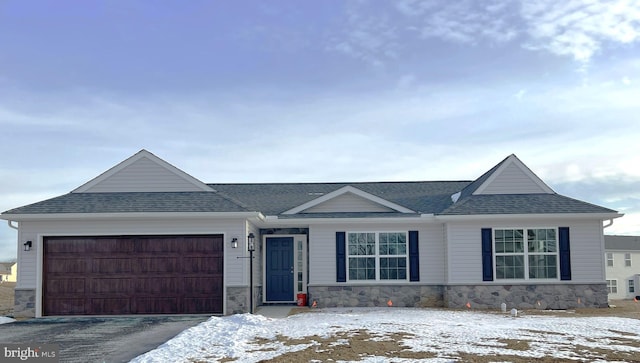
x,y
279,269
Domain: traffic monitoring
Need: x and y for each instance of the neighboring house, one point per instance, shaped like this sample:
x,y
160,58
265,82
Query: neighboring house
x,y
8,271
146,238
622,256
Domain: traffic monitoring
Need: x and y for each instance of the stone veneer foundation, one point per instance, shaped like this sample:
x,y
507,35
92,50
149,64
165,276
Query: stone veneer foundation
x,y
24,303
238,299
551,296
377,295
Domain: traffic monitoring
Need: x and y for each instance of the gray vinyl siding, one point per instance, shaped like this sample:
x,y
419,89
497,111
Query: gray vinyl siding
x,y
464,249
322,250
144,175
512,180
35,231
348,202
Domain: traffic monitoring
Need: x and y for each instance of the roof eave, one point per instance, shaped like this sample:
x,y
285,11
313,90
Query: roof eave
x,y
536,216
130,215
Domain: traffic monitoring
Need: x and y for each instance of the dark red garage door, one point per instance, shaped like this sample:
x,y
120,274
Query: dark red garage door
x,y
133,275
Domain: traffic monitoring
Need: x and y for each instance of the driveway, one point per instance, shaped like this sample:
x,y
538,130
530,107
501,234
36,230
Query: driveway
x,y
99,339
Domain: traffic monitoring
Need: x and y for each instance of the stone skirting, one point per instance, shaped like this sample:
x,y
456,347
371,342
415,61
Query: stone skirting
x,y
238,299
24,303
548,296
377,295
552,296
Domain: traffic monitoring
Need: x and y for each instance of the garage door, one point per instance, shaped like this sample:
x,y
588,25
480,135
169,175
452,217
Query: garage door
x,y
133,275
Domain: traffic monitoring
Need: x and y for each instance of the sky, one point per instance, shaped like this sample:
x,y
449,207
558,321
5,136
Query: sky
x,y
316,91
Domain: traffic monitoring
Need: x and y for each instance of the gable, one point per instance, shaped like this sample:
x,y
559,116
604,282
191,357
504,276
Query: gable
x,y
348,199
513,177
348,202
143,172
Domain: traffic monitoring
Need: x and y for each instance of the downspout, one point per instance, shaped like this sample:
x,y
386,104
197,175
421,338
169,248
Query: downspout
x,y
608,225
11,225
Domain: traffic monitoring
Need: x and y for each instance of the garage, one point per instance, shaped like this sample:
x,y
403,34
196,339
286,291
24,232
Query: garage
x,y
117,275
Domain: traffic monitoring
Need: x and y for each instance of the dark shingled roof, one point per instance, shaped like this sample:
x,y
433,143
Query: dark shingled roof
x,y
521,204
132,202
276,198
622,243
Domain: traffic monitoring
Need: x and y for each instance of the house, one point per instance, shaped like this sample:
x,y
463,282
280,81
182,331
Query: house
x,y
145,237
8,271
622,256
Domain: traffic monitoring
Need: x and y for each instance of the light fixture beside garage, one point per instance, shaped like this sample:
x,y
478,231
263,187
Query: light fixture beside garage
x,y
27,246
234,242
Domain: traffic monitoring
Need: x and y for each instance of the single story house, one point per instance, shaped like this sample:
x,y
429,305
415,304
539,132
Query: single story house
x,y
622,256
145,237
8,271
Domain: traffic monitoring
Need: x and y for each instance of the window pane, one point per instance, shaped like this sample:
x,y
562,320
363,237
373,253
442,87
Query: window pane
x,y
541,240
543,267
395,268
510,267
361,268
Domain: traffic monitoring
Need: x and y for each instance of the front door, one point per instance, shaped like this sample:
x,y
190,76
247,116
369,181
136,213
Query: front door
x,y
279,266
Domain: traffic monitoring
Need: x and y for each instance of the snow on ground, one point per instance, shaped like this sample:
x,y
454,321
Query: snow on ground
x,y
444,332
4,320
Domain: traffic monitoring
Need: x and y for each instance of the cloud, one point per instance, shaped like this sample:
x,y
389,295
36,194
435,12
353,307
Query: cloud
x,y
580,28
576,29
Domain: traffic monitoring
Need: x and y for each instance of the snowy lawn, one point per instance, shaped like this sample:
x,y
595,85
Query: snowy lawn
x,y
4,320
404,335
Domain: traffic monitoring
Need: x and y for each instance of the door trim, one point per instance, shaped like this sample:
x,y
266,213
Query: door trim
x,y
298,266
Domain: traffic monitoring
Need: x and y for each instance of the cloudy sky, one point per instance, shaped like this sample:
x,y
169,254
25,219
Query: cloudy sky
x,y
257,91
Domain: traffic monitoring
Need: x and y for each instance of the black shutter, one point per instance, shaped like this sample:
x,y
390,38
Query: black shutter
x,y
565,253
414,260
487,255
341,257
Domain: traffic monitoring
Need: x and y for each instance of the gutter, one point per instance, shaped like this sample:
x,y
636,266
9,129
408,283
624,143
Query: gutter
x,y
11,225
130,215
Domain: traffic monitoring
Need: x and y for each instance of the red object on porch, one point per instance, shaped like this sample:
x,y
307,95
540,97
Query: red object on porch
x,y
302,299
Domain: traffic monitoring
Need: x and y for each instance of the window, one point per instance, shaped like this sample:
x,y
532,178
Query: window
x,y
609,259
632,287
535,258
612,286
377,256
627,259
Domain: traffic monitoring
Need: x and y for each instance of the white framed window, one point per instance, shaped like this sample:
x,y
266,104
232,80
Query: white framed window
x,y
376,256
612,286
522,253
631,285
627,259
609,259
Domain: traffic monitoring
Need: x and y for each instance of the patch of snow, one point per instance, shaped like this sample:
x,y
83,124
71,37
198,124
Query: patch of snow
x,y
443,332
4,320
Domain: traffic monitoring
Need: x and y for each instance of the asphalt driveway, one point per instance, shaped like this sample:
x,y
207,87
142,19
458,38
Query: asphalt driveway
x,y
99,339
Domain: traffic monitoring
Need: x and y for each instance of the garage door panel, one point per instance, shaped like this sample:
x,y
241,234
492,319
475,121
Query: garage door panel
x,y
112,265
133,275
73,306
201,285
68,265
194,305
208,265
66,286
110,285
157,264
156,305
112,246
110,306
154,285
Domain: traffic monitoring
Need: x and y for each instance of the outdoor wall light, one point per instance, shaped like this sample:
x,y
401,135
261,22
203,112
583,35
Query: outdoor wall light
x,y
251,242
234,242
27,246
